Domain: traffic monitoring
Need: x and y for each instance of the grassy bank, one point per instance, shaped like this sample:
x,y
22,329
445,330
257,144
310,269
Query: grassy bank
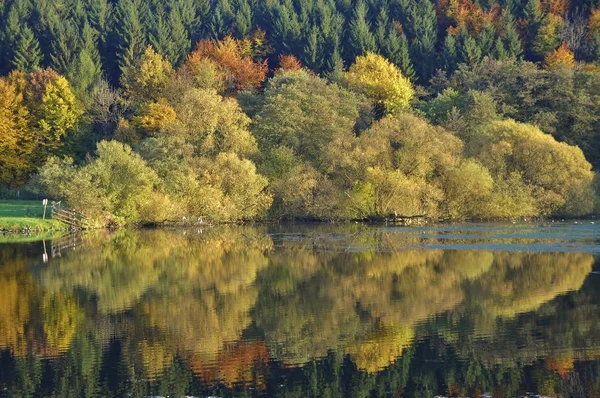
x,y
24,224
22,208
26,216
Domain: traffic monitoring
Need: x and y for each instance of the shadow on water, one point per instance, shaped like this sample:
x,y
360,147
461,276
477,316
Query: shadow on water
x,y
301,310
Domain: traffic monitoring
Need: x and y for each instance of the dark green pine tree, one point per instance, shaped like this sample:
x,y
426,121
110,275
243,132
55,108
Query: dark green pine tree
x,y
533,15
242,20
98,14
499,50
330,25
381,32
160,35
311,54
487,39
194,16
360,38
512,41
393,44
64,45
180,38
86,70
27,55
12,24
449,54
45,22
468,50
421,27
221,20
404,61
281,21
129,37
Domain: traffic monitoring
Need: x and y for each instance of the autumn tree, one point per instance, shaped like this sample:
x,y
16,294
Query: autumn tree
x,y
234,59
39,111
556,174
147,78
116,187
375,77
16,141
562,56
289,62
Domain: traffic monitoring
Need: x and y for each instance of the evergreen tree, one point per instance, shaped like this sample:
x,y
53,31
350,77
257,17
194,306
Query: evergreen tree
x,y
16,16
180,40
468,50
221,21
486,40
512,42
360,38
86,70
128,34
194,16
282,22
421,26
330,27
533,16
160,36
405,63
450,54
64,46
27,55
381,32
242,20
499,50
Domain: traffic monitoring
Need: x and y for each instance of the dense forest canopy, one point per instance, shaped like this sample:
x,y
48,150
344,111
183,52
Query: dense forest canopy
x,y
147,111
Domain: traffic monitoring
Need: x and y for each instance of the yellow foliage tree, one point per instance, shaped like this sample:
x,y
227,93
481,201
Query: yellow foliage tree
x,y
37,111
147,78
59,111
15,138
559,176
154,117
382,81
562,56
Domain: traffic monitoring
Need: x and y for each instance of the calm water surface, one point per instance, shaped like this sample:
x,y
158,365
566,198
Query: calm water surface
x,y
497,310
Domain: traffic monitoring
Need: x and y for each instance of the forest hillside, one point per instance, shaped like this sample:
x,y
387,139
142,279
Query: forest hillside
x,y
146,111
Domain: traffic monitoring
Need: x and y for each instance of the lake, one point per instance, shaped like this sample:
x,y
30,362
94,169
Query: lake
x,y
353,310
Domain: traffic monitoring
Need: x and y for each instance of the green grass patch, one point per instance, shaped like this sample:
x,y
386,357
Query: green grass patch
x,y
24,224
26,216
23,208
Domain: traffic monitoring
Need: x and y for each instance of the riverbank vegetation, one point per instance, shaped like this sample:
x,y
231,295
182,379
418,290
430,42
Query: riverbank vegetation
x,y
302,110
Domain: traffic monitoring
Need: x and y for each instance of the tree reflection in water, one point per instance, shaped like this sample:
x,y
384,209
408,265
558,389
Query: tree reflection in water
x,y
241,310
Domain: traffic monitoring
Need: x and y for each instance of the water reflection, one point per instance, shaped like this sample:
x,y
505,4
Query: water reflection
x,y
312,312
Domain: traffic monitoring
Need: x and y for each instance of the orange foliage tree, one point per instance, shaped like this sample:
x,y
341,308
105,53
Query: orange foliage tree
x,y
465,13
289,62
562,56
234,60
